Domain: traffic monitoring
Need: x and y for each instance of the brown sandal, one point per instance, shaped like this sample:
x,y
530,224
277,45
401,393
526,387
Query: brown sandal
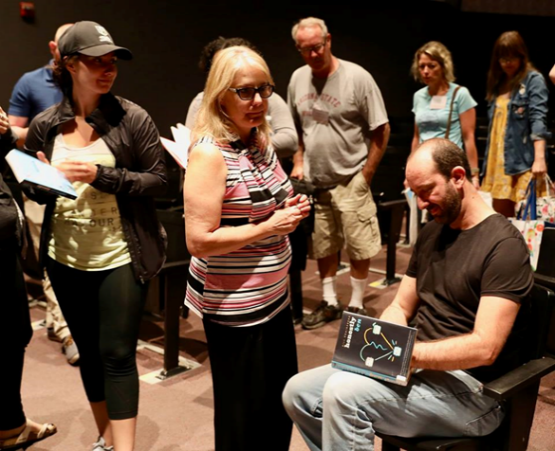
x,y
27,437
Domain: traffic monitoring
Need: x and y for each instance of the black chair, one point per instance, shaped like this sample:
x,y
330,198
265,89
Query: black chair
x,y
172,284
518,389
387,187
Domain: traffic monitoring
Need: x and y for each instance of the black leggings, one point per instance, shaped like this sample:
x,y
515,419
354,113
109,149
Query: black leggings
x,y
15,333
103,310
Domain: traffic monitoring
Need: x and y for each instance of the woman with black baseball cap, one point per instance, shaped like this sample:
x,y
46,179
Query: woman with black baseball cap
x,y
101,249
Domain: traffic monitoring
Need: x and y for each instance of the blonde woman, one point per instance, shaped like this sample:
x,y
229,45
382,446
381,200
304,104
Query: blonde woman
x,y
239,210
443,109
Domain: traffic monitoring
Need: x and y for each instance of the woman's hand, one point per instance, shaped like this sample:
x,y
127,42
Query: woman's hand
x,y
285,220
78,171
75,171
539,168
297,172
4,122
302,202
476,181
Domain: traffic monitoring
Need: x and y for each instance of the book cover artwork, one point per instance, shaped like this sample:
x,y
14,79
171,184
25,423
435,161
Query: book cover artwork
x,y
374,348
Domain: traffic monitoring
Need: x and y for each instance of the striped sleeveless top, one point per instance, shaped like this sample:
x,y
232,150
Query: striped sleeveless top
x,y
247,286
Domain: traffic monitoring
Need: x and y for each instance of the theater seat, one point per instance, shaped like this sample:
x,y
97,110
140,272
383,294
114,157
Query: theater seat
x,y
518,389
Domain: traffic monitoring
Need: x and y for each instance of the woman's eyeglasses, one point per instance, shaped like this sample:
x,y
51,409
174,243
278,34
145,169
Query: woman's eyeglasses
x,y
264,91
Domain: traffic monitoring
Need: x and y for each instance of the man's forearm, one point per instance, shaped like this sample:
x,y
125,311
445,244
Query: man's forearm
x,y
394,314
457,353
379,139
298,155
21,135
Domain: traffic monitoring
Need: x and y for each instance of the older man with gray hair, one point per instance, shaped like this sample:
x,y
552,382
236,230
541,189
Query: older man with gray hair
x,y
343,128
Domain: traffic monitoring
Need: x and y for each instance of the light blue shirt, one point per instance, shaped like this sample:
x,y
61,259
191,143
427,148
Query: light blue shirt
x,y
432,123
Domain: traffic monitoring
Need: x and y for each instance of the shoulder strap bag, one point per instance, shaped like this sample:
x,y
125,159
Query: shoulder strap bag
x,y
451,112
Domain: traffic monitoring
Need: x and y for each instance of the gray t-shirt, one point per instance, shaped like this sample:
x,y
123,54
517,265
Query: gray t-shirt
x,y
336,116
284,135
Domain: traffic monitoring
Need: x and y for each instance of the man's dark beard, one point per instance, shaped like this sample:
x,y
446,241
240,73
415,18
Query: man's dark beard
x,y
451,208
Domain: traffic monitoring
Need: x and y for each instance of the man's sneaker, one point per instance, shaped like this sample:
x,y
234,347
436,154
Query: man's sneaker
x,y
69,348
323,314
100,445
358,310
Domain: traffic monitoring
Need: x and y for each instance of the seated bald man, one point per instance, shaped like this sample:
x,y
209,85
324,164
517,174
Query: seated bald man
x,y
466,290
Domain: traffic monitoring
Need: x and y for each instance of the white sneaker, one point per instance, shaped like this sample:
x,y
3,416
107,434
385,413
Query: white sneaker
x,y
69,348
100,445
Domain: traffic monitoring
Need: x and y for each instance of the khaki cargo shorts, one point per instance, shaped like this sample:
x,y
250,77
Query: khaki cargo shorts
x,y
346,216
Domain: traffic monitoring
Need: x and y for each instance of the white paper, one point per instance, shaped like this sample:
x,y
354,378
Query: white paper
x,y
179,148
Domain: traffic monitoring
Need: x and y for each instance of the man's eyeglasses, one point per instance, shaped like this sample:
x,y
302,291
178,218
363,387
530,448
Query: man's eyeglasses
x,y
264,91
315,48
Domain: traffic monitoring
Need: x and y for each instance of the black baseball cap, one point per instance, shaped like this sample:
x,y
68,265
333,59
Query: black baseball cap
x,y
91,39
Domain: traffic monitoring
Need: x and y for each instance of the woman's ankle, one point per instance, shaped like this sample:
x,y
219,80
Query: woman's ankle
x,y
9,433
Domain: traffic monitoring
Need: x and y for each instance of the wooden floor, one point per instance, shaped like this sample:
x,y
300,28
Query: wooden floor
x,y
177,414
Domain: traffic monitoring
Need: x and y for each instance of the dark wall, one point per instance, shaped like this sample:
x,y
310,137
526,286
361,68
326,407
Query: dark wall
x,y
166,38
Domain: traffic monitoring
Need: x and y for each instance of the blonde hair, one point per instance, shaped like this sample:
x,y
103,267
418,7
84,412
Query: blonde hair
x,y
439,53
307,23
212,120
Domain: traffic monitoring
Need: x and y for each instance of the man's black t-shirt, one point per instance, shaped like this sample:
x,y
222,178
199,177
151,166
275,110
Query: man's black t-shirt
x,y
455,268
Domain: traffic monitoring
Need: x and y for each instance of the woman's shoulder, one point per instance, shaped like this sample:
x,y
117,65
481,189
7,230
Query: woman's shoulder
x,y
422,95
533,76
40,125
208,146
48,115
131,109
422,92
206,154
463,94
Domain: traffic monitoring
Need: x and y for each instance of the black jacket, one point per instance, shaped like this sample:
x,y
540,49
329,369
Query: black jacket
x,y
10,225
140,173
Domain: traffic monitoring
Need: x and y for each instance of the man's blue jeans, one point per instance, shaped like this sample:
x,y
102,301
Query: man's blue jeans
x,y
335,410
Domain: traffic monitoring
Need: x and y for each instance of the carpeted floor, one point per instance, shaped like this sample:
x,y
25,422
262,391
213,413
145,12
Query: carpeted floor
x,y
177,414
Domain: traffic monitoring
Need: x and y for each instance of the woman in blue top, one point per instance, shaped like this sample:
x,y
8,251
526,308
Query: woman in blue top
x,y
517,111
433,66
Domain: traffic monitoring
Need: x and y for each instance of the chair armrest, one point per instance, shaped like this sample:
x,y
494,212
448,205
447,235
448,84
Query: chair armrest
x,y
519,378
429,443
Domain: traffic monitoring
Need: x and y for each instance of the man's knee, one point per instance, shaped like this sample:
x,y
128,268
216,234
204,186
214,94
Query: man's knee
x,y
341,390
292,396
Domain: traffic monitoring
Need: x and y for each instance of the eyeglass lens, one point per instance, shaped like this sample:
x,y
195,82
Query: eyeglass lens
x,y
265,91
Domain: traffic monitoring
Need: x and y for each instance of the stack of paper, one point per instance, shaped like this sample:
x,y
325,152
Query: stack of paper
x,y
179,148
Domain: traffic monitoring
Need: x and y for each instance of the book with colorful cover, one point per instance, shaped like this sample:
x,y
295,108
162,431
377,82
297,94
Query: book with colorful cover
x,y
374,348
33,172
